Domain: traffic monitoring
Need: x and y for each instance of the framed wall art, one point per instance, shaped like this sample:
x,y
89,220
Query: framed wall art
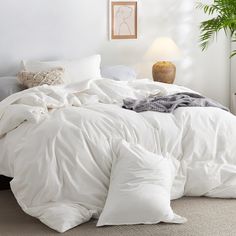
x,y
123,19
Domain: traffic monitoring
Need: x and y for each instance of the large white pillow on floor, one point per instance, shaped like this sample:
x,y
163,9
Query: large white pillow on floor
x,y
75,70
139,191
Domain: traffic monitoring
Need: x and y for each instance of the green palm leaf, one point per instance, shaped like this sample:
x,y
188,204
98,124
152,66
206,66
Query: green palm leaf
x,y
223,13
233,54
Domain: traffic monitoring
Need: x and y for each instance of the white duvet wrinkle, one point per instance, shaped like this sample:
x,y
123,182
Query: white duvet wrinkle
x,y
34,212
91,147
88,166
168,133
10,121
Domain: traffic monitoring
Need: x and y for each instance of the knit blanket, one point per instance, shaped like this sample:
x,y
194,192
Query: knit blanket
x,y
169,103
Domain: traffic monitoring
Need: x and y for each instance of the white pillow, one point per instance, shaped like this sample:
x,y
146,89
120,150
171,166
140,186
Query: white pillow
x,y
75,70
119,72
139,191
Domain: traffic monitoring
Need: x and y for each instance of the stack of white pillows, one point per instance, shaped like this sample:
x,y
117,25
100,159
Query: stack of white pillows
x,y
79,70
66,71
74,70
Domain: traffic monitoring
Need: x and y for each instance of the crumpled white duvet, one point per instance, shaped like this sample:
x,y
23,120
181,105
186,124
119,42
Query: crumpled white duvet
x,y
56,143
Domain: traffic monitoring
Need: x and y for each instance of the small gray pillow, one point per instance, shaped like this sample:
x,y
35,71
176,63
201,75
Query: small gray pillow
x,y
118,72
8,86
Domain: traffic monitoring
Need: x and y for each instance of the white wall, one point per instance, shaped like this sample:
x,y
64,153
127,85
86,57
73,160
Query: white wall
x,y
233,81
52,29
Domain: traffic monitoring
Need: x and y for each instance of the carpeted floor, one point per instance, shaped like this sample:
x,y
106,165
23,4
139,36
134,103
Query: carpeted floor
x,y
206,217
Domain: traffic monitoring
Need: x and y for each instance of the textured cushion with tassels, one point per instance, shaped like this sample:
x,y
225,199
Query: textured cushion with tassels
x,y
50,77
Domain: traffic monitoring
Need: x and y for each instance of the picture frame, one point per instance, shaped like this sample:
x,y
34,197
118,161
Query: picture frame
x,y
123,19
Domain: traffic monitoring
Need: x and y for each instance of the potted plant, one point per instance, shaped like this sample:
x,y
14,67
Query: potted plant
x,y
223,13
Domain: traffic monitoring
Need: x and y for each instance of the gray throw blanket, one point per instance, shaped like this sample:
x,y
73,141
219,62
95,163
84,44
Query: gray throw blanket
x,y
169,103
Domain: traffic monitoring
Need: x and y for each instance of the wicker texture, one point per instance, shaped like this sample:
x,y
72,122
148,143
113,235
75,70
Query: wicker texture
x,y
164,72
32,79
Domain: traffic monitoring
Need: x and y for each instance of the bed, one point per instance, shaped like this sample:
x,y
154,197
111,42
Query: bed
x,y
75,154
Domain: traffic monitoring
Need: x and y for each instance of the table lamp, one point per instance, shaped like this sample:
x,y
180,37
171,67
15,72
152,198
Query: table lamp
x,y
163,50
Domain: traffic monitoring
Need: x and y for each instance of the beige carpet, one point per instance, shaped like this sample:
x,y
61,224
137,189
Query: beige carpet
x,y
206,217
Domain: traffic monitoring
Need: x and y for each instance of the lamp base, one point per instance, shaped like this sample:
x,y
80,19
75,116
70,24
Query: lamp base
x,y
164,71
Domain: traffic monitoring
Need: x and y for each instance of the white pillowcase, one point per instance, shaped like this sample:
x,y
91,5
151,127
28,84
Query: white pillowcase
x,y
139,191
75,70
119,72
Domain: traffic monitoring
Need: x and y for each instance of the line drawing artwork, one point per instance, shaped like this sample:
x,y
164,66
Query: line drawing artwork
x,y
123,19
124,16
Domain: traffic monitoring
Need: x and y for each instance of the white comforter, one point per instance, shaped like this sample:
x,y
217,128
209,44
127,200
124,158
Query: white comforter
x,y
56,143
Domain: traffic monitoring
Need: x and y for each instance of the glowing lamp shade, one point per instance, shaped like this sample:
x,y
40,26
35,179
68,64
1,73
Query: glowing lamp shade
x,y
163,49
